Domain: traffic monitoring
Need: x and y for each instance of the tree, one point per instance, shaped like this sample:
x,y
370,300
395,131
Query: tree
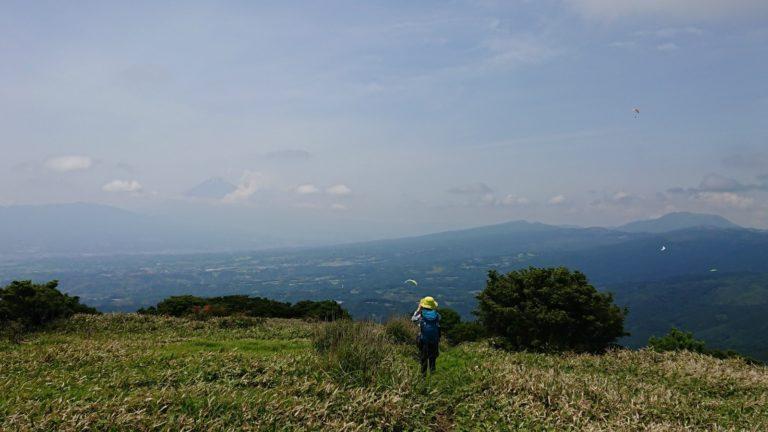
x,y
466,332
549,309
326,310
448,320
677,340
180,305
201,307
456,331
32,305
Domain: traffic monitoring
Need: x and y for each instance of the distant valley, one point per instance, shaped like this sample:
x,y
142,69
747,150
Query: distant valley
x,y
698,272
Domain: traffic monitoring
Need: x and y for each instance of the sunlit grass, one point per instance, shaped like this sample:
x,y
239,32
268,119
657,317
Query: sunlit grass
x,y
126,372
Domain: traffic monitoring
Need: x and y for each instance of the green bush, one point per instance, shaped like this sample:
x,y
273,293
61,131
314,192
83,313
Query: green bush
x,y
326,310
448,320
357,353
678,340
401,330
206,307
455,331
549,309
12,331
32,305
466,332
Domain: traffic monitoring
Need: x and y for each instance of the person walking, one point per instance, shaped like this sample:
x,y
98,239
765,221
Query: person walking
x,y
428,319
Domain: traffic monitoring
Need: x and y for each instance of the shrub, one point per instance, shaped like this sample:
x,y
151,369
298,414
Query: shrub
x,y
448,320
327,310
178,306
401,330
12,331
356,353
455,331
205,307
32,305
678,340
549,309
466,332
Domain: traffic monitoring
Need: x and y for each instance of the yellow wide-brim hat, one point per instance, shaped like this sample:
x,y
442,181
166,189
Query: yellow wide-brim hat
x,y
428,302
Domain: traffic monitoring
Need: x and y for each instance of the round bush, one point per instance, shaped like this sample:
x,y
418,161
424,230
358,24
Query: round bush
x,y
549,309
401,330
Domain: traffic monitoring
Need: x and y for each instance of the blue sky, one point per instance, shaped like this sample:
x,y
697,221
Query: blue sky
x,y
368,119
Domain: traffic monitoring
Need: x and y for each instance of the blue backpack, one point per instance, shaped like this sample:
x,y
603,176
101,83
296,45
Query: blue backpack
x,y
429,326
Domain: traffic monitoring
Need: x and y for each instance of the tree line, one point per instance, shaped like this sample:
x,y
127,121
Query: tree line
x,y
201,307
534,309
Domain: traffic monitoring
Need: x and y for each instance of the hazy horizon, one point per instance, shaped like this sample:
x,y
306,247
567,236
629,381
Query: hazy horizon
x,y
349,121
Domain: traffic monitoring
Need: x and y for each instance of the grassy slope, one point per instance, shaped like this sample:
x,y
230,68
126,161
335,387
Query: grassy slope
x,y
129,372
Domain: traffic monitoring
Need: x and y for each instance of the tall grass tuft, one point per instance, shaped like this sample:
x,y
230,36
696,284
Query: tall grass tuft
x,y
357,353
12,331
401,330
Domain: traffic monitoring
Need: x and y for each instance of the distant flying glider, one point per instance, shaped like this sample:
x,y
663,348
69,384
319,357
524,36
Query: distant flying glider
x,y
411,281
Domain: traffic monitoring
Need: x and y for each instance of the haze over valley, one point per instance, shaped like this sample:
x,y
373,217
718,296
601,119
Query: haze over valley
x,y
695,271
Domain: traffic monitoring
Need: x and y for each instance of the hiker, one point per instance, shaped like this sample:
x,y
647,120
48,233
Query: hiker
x,y
428,319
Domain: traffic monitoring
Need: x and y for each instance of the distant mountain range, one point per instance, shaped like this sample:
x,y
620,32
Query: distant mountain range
x,y
678,221
82,228
698,272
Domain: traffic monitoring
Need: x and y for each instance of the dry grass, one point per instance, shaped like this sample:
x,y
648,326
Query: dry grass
x,y
127,372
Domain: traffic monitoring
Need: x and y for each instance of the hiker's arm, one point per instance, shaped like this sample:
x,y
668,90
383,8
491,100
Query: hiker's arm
x,y
416,315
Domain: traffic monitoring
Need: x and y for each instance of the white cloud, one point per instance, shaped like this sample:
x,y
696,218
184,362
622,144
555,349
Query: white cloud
x,y
488,198
122,186
623,44
69,163
340,207
669,46
674,9
725,199
250,183
306,189
512,200
512,50
717,183
339,189
557,199
670,32
621,196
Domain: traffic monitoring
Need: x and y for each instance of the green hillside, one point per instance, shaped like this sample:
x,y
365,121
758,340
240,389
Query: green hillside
x,y
130,372
727,310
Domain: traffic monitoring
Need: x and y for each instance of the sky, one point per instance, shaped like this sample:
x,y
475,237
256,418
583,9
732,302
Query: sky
x,y
348,120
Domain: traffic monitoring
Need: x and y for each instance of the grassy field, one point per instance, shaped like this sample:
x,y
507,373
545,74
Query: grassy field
x,y
130,372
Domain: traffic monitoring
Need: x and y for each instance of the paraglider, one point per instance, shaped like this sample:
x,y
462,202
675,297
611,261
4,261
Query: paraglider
x,y
663,248
636,111
411,281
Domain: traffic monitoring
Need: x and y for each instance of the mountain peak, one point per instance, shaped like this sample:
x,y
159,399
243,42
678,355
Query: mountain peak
x,y
677,221
213,188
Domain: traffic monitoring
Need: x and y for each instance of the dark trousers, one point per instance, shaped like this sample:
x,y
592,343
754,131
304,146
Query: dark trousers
x,y
428,352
